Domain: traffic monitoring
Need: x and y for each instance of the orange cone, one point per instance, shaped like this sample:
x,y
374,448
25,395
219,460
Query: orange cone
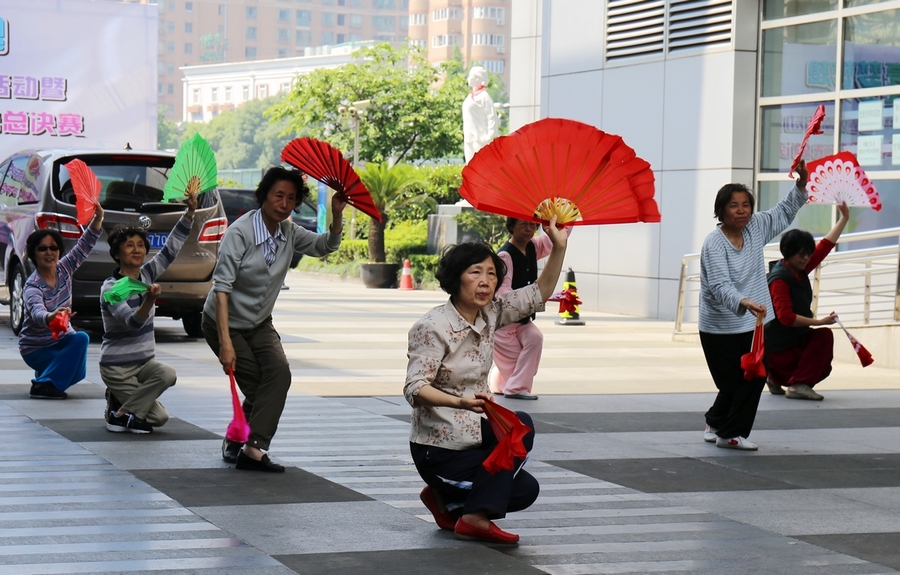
x,y
406,280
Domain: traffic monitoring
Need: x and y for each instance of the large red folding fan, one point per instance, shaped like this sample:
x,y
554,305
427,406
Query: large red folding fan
x,y
326,163
87,189
561,167
839,178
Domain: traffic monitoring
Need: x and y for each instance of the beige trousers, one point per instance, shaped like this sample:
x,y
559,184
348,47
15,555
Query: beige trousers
x,y
138,386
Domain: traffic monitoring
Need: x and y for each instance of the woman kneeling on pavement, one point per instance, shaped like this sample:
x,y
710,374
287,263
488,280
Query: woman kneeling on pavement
x,y
134,378
59,361
450,356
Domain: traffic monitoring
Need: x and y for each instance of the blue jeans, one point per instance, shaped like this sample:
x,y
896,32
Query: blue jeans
x,y
63,364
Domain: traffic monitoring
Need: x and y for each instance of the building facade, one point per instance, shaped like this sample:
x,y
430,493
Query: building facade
x,y
215,88
479,29
200,32
709,92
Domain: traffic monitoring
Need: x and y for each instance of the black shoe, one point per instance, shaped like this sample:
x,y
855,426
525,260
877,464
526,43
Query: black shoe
x,y
230,450
128,422
112,405
47,390
247,463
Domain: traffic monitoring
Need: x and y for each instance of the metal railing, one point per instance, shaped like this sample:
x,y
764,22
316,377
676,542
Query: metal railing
x,y
861,285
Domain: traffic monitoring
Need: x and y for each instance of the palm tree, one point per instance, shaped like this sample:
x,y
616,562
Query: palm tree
x,y
389,186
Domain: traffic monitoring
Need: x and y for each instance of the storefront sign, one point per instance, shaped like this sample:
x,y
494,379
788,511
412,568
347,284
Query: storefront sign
x,y
868,150
870,116
65,89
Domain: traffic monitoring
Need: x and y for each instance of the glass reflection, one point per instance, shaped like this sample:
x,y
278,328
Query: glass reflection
x,y
872,50
783,128
774,9
799,59
867,130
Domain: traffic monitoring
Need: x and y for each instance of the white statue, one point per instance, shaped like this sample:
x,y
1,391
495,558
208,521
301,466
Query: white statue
x,y
479,117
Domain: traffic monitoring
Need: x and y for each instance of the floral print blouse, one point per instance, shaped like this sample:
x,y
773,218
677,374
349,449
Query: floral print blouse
x,y
449,353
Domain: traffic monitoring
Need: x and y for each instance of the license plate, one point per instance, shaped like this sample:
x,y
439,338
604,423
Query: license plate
x,y
157,240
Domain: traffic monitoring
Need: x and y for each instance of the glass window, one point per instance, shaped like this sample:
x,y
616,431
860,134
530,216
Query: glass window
x,y
328,18
784,8
228,94
284,15
188,27
214,95
304,17
250,52
251,32
341,38
356,21
284,35
872,50
188,6
341,19
188,48
867,130
852,3
171,88
327,38
303,38
171,25
814,218
245,92
867,219
251,12
15,173
783,128
383,23
799,59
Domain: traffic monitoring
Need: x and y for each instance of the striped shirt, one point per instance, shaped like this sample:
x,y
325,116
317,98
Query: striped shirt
x,y
127,337
728,274
41,299
270,242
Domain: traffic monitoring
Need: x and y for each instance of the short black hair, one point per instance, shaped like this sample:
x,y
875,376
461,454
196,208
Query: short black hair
x,y
277,174
35,239
723,196
456,259
511,224
795,241
121,235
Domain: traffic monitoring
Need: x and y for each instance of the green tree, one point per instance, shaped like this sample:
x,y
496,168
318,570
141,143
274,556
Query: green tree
x,y
166,131
414,112
245,138
388,186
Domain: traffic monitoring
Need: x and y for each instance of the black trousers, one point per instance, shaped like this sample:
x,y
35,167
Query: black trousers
x,y
466,487
734,410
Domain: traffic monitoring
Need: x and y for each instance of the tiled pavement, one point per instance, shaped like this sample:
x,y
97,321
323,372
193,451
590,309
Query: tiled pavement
x,y
628,485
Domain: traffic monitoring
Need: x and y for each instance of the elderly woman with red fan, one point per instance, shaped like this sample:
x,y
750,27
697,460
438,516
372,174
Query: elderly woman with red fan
x,y
48,344
732,283
450,355
237,319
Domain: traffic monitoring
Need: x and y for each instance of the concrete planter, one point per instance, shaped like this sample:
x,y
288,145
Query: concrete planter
x,y
379,275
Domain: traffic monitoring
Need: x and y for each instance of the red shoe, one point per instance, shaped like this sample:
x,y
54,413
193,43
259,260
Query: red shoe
x,y
441,516
469,532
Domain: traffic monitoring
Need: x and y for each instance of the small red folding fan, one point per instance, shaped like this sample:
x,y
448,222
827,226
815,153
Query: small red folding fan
x,y
814,127
510,431
838,178
753,363
327,164
564,168
568,299
59,325
87,189
865,358
238,430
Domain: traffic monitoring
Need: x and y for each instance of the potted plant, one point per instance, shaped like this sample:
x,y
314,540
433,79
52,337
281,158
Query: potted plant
x,y
389,186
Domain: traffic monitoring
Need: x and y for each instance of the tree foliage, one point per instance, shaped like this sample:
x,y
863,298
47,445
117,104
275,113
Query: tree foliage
x,y
414,112
166,131
244,138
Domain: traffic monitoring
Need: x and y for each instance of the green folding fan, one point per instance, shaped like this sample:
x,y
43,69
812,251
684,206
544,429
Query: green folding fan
x,y
194,171
123,289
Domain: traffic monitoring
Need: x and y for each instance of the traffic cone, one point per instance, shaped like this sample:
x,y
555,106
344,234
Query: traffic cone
x,y
570,318
406,280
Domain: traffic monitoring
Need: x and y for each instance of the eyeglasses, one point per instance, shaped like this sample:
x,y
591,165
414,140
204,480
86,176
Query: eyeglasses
x,y
53,248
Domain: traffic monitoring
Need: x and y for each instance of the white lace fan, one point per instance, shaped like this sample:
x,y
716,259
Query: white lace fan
x,y
838,178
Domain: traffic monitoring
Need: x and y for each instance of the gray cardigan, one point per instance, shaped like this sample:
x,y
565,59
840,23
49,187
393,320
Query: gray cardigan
x,y
242,271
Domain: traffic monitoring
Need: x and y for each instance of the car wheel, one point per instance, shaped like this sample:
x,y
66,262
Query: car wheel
x,y
192,324
17,299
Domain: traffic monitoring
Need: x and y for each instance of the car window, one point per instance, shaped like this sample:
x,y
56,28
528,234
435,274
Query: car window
x,y
12,182
307,211
5,198
130,183
28,193
237,202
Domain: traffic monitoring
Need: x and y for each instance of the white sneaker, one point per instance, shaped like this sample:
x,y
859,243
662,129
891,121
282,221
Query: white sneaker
x,y
709,434
802,391
736,443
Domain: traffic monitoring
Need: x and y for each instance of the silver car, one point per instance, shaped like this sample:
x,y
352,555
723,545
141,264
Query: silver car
x,y
35,193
